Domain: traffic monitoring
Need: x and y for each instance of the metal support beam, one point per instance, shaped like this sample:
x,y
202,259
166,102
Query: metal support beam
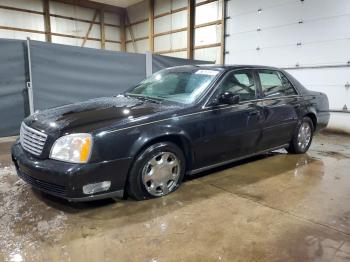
x,y
190,28
223,32
47,21
30,82
149,65
151,24
317,67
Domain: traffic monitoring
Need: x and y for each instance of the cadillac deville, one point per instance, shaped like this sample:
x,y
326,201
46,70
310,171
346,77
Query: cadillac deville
x,y
180,121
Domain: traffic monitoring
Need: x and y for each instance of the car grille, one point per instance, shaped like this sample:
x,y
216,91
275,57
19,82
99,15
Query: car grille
x,y
43,185
33,141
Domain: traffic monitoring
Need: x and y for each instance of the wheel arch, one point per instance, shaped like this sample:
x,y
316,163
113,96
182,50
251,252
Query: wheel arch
x,y
313,118
179,140
163,133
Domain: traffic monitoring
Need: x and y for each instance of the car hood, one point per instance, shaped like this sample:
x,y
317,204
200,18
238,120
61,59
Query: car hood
x,y
94,114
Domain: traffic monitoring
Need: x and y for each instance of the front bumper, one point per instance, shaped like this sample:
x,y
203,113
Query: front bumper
x,y
66,180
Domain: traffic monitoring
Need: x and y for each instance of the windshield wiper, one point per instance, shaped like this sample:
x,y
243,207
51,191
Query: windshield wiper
x,y
152,100
145,98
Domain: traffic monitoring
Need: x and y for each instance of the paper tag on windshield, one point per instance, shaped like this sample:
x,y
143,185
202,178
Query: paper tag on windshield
x,y
207,72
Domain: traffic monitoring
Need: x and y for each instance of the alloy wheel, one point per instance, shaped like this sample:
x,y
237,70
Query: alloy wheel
x,y
304,135
161,173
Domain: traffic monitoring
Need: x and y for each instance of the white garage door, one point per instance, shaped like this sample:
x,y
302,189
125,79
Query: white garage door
x,y
312,37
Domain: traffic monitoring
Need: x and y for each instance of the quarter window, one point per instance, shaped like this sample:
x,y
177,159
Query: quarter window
x,y
239,83
275,84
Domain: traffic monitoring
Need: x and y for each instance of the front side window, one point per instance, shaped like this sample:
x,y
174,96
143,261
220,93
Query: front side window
x,y
275,84
179,85
241,83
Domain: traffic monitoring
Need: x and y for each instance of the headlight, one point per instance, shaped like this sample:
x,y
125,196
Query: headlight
x,y
74,148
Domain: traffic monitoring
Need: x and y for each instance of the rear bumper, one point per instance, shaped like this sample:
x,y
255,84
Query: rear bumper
x,y
322,120
66,180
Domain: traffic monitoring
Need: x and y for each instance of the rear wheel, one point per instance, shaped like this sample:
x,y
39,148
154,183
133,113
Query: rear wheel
x,y
302,138
157,171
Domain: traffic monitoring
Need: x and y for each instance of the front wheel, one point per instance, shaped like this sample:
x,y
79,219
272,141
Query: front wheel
x,y
302,138
157,171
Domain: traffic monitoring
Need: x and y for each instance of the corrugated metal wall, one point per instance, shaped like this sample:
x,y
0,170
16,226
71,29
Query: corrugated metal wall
x,y
64,74
13,93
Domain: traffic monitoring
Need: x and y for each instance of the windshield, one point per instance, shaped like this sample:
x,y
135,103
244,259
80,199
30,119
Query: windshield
x,y
178,85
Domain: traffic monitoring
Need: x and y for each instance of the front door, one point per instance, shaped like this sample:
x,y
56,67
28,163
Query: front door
x,y
231,131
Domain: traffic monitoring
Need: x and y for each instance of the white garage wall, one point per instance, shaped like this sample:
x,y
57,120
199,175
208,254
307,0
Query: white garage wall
x,y
137,13
34,22
11,18
175,21
310,37
170,28
70,23
208,35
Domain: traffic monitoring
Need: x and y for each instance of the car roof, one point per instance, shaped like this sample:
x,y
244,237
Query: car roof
x,y
227,67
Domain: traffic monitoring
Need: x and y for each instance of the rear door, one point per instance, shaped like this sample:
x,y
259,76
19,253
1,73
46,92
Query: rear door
x,y
282,106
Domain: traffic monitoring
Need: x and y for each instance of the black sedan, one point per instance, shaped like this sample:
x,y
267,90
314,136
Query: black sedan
x,y
178,122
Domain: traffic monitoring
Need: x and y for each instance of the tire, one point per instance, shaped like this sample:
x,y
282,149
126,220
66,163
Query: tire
x,y
302,137
157,171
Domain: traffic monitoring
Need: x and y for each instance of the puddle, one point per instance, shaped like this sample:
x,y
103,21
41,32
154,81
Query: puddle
x,y
336,155
25,222
215,214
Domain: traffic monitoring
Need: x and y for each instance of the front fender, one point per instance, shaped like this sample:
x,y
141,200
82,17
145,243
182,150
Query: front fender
x,y
156,133
128,143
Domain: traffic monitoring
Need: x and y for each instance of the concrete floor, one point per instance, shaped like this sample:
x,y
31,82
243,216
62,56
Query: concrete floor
x,y
275,207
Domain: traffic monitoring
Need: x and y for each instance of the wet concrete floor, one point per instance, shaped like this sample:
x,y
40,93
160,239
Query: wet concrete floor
x,y
275,207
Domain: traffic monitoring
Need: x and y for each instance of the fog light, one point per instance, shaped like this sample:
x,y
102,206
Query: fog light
x,y
97,187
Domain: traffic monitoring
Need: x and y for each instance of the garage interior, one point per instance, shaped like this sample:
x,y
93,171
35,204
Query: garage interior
x,y
271,207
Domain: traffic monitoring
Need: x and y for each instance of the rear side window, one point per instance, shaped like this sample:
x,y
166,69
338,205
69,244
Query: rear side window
x,y
275,84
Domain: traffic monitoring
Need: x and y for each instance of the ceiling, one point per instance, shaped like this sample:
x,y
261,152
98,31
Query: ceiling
x,y
120,3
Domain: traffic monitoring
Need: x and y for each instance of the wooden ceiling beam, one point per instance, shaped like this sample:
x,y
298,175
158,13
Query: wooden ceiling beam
x,y
131,31
191,12
89,29
123,31
92,5
102,29
21,10
47,20
151,25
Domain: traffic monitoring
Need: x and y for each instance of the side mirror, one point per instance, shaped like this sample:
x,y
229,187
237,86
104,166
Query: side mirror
x,y
228,98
